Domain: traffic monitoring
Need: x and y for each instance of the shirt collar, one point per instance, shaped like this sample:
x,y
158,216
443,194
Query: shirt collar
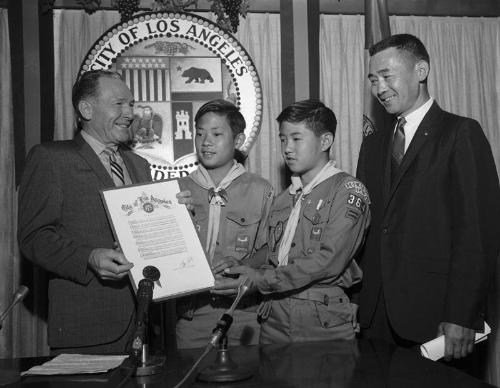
x,y
95,144
414,118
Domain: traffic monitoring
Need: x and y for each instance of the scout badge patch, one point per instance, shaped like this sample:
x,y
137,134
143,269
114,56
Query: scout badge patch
x,y
277,234
242,243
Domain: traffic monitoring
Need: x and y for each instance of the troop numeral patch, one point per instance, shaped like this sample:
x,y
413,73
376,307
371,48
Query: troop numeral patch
x,y
356,201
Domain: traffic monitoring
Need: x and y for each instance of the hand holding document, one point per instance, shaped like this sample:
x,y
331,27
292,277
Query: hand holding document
x,y
156,233
434,350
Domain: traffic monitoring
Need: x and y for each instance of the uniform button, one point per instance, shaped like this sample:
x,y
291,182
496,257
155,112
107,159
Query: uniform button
x,y
293,244
385,231
242,220
217,243
325,324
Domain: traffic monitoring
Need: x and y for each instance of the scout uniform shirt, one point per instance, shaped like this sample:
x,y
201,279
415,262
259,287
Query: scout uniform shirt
x,y
307,298
242,230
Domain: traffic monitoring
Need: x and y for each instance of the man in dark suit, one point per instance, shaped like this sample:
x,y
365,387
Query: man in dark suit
x,y
435,199
63,225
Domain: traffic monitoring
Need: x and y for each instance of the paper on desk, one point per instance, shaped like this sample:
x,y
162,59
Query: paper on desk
x,y
69,364
434,349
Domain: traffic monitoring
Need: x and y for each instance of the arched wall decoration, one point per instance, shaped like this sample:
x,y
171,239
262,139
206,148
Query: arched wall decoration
x,y
174,63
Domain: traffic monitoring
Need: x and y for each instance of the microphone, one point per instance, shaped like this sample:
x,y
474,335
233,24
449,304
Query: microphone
x,y
141,363
19,295
144,298
225,321
224,369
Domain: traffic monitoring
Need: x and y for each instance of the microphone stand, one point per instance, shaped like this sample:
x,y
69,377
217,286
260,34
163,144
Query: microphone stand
x,y
224,369
11,376
143,363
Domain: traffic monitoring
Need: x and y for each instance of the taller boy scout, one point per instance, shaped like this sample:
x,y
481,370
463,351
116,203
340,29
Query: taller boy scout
x,y
231,208
316,227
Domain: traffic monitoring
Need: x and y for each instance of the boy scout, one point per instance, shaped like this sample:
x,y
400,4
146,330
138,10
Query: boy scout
x,y
231,207
316,227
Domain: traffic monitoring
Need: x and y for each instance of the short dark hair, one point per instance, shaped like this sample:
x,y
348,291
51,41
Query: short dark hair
x,y
404,42
317,117
87,86
224,108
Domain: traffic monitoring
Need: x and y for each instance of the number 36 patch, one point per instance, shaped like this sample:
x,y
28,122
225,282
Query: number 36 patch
x,y
356,201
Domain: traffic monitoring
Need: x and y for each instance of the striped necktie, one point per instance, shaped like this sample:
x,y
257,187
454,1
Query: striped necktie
x,y
116,169
398,143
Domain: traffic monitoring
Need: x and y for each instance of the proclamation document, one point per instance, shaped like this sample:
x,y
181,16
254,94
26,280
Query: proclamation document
x,y
156,233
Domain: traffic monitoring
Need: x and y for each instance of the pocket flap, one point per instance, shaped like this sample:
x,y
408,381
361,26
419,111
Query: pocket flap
x,y
243,219
314,216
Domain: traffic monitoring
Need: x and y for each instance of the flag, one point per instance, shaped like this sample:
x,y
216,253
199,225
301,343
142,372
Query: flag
x,y
376,28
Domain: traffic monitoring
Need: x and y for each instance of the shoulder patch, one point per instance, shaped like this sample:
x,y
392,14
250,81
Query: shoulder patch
x,y
368,126
359,189
352,214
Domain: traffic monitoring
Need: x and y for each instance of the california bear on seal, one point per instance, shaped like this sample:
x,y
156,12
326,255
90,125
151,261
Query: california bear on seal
x,y
197,74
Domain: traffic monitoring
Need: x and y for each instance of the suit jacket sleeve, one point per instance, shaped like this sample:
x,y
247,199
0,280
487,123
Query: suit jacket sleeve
x,y
474,199
40,204
360,171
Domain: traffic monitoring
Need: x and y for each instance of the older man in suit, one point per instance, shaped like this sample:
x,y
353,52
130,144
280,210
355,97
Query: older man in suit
x,y
435,205
63,225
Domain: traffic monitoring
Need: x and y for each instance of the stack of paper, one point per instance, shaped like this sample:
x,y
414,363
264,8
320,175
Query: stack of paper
x,y
69,364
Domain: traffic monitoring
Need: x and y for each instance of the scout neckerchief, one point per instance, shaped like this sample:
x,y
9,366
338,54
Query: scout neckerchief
x,y
296,189
217,197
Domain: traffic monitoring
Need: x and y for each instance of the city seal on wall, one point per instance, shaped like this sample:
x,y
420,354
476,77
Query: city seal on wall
x,y
174,63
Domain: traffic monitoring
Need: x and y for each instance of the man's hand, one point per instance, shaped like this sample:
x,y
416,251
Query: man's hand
x,y
109,264
225,262
458,340
226,286
184,197
229,285
117,247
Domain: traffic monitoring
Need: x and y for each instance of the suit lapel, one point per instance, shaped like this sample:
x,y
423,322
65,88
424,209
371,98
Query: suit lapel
x,y
88,154
424,131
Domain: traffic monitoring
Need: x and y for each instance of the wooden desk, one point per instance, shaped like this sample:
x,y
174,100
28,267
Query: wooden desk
x,y
359,364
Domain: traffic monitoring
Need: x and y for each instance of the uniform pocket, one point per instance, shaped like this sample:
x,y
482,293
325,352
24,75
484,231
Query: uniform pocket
x,y
241,231
313,229
337,312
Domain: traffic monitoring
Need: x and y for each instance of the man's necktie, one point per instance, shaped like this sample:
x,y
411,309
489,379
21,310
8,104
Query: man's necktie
x,y
398,143
116,169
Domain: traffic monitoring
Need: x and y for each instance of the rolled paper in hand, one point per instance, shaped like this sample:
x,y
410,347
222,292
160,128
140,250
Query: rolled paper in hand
x,y
434,350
